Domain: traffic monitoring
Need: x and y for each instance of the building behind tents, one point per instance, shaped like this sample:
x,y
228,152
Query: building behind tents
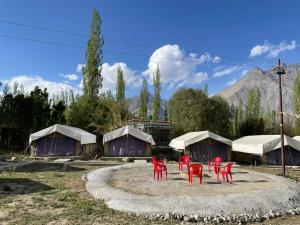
x,y
127,141
203,146
266,149
61,140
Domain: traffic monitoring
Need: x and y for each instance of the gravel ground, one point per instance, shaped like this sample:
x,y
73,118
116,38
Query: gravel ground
x,y
131,188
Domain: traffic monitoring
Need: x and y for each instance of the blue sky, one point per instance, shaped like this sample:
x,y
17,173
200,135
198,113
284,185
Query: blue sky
x,y
193,42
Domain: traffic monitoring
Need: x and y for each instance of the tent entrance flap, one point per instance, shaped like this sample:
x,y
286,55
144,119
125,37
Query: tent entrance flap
x,y
127,146
206,150
55,145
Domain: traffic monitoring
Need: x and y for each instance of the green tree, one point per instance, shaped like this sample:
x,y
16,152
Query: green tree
x,y
57,113
6,89
40,108
253,123
156,100
271,122
218,117
21,115
144,95
206,89
120,87
166,113
296,101
187,110
92,79
253,108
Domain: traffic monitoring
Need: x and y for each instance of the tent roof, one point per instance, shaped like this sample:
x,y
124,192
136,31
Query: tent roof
x,y
297,138
72,132
192,137
128,130
260,144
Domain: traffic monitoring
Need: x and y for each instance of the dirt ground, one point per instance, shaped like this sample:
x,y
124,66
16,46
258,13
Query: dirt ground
x,y
55,194
130,180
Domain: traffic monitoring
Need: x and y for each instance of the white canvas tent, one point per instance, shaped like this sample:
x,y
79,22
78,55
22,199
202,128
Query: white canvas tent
x,y
261,144
297,138
203,146
181,142
61,140
268,147
128,130
127,142
75,133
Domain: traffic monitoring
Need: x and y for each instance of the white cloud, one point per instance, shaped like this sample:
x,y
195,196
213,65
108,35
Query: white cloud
x,y
244,72
29,83
70,76
177,66
271,50
195,79
109,73
225,71
231,82
79,68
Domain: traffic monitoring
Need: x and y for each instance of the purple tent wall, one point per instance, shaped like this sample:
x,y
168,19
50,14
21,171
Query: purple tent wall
x,y
56,146
292,157
135,147
204,151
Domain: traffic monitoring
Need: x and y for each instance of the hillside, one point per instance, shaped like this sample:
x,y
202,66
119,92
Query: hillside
x,y
267,83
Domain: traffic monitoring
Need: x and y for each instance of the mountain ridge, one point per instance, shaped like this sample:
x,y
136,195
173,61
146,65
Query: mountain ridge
x,y
267,83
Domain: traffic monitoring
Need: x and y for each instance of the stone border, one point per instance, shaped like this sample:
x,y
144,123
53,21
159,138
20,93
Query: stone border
x,y
250,206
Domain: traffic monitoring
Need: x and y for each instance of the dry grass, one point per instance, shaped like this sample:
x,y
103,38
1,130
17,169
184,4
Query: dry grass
x,y
54,197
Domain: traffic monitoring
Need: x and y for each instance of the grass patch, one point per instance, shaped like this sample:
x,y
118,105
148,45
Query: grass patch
x,y
54,193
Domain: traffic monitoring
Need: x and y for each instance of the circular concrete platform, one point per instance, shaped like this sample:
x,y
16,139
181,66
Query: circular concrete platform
x,y
131,188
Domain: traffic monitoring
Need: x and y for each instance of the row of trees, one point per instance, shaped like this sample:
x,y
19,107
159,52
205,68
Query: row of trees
x,y
144,98
22,114
192,110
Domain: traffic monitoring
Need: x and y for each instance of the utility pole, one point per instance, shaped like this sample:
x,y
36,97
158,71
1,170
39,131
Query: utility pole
x,y
279,70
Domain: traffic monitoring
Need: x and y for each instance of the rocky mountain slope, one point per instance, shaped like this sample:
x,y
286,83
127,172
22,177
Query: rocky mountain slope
x,y
267,83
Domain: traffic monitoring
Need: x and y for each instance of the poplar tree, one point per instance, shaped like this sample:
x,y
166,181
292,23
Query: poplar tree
x,y
156,100
144,101
296,101
92,79
120,87
253,108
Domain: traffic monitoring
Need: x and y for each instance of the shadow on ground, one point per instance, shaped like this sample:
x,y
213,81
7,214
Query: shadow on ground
x,y
46,167
246,181
20,186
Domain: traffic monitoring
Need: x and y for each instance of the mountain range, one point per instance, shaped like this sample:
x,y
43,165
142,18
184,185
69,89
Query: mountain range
x,y
263,80
267,83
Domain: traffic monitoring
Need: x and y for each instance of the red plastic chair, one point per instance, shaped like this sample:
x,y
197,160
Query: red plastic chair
x,y
214,160
154,158
226,170
217,169
158,168
184,160
195,169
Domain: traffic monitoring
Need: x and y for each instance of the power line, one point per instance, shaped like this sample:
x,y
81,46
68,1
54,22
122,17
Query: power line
x,y
105,39
72,33
105,50
40,41
81,47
